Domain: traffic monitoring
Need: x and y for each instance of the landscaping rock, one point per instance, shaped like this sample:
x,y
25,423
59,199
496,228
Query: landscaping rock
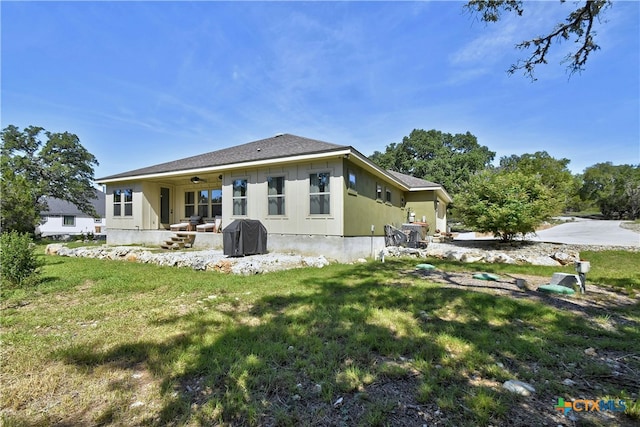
x,y
53,248
198,260
519,387
472,257
566,258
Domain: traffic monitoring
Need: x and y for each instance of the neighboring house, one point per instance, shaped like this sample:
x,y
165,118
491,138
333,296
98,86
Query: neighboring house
x,y
312,196
64,218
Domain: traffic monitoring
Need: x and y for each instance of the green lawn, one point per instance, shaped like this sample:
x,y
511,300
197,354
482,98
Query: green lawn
x,y
117,343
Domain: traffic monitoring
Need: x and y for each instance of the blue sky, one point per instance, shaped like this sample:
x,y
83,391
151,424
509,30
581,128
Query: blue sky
x,y
147,82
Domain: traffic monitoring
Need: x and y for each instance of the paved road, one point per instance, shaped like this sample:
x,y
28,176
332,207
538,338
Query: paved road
x,y
583,232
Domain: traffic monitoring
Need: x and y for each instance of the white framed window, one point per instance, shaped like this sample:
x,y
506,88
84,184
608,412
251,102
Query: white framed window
x,y
319,193
388,195
240,197
68,220
189,203
378,191
203,203
128,202
209,203
275,195
216,202
117,202
123,202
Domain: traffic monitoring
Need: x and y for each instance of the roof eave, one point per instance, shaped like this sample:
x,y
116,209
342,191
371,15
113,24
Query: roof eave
x,y
230,166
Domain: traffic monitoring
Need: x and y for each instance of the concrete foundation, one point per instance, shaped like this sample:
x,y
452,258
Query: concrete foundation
x,y
342,249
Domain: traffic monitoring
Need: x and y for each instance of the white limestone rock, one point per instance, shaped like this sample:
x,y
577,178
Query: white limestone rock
x,y
519,387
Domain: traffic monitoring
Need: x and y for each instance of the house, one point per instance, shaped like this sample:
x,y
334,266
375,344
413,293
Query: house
x,y
62,218
313,197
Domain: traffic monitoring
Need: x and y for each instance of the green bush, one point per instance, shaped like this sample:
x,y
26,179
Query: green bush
x,y
19,263
505,203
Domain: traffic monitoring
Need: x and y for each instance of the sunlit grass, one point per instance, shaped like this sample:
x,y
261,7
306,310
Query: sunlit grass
x,y
106,342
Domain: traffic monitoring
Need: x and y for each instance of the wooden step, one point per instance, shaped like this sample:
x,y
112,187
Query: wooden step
x,y
179,241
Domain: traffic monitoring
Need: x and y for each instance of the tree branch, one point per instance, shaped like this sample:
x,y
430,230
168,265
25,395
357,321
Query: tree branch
x,y
579,23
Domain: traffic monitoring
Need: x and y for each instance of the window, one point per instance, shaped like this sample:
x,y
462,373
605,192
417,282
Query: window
x,y
216,202
388,195
209,203
203,203
117,202
240,197
69,220
319,193
351,185
378,191
189,203
128,202
123,198
275,195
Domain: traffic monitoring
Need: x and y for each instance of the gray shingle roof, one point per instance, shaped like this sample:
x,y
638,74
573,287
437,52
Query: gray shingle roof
x,y
412,181
279,146
62,207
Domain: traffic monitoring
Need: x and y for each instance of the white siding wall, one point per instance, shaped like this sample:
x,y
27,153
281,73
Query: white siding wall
x,y
54,226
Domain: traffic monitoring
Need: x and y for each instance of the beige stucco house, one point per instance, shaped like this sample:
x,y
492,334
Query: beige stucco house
x,y
313,197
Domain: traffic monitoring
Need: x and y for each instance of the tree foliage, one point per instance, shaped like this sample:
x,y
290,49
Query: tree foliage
x,y
19,263
436,156
58,167
614,189
549,171
504,203
579,24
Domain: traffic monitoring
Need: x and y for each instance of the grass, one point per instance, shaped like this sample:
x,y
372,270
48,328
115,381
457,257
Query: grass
x,y
614,268
116,343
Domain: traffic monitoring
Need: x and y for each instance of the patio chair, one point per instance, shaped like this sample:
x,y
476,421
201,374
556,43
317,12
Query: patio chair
x,y
213,226
194,220
181,226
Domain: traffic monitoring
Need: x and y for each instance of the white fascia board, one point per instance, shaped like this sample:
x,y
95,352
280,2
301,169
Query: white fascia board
x,y
441,191
223,168
377,170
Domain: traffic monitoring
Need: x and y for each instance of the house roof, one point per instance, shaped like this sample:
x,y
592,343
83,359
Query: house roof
x,y
279,146
62,207
412,181
415,184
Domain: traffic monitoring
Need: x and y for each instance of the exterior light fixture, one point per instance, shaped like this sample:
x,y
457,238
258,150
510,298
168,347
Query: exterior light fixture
x,y
195,180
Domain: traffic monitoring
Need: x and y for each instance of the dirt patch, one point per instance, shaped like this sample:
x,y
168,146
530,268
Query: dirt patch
x,y
598,301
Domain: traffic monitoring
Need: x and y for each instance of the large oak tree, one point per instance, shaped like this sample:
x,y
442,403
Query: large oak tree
x,y
615,189
436,156
32,168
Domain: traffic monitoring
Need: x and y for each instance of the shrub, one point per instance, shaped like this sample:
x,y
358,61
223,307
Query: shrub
x,y
19,264
505,203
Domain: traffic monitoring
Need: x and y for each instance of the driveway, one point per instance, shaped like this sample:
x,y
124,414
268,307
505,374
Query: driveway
x,y
582,231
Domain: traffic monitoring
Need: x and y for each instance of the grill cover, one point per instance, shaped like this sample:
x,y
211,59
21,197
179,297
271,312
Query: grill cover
x,y
244,237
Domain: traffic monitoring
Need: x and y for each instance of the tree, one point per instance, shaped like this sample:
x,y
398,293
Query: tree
x,y
549,171
505,203
31,169
436,156
614,189
579,24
